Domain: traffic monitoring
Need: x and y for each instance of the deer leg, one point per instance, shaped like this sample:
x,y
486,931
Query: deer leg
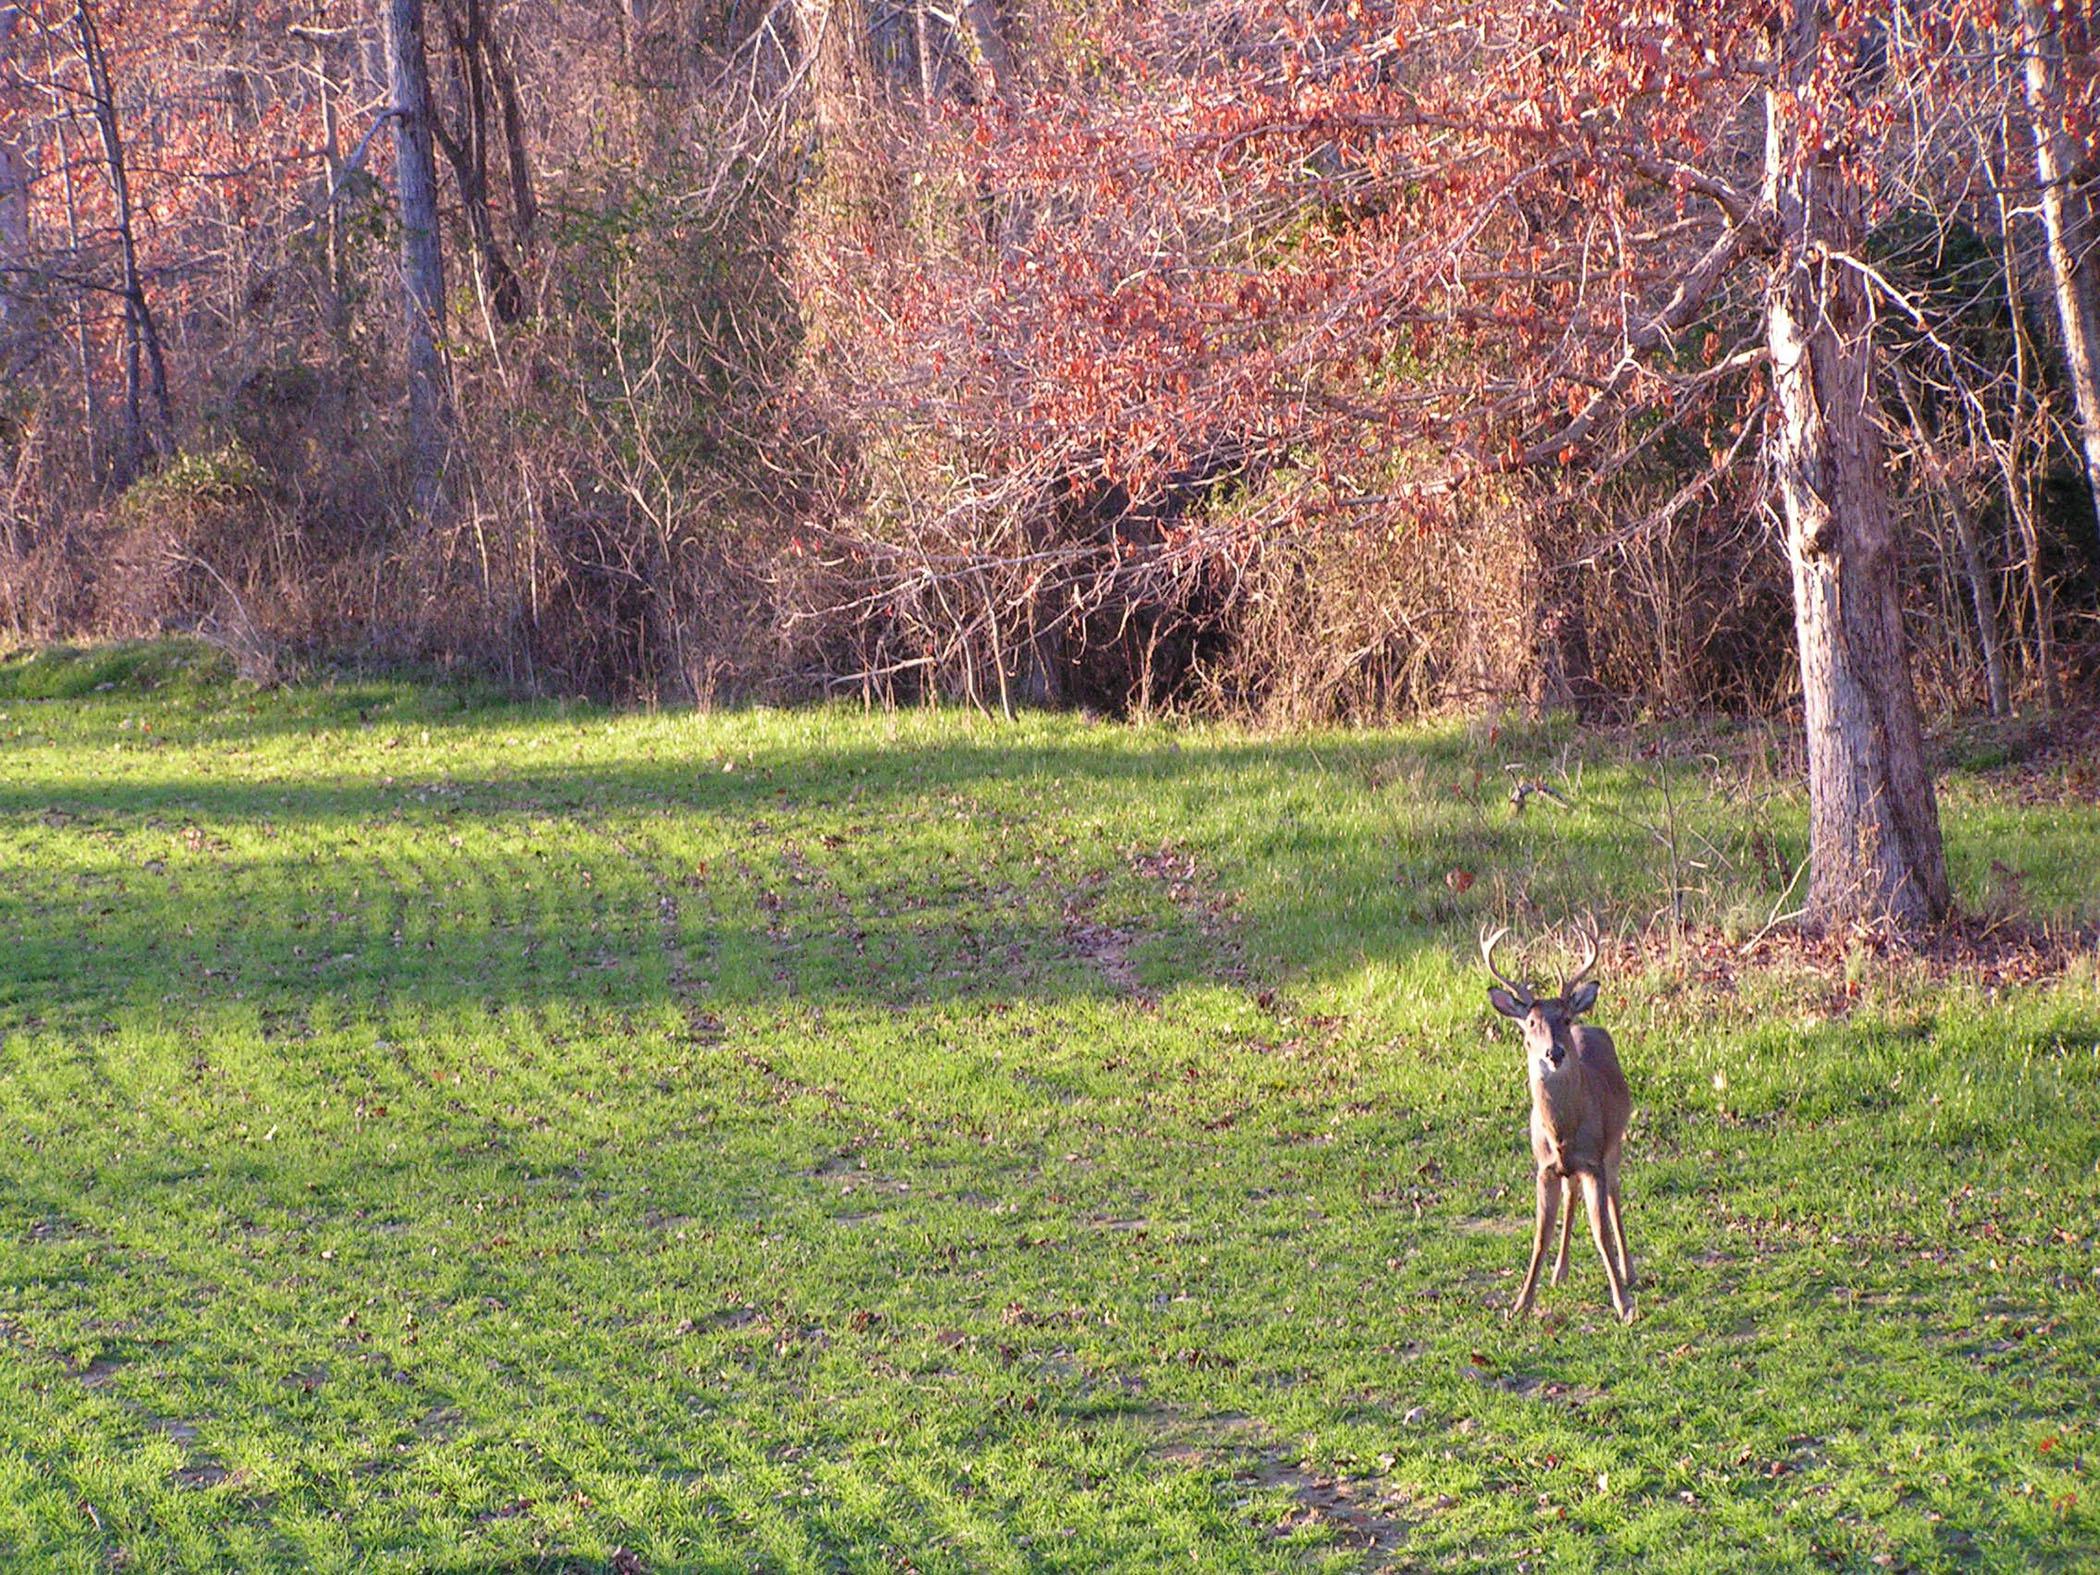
x,y
1593,1196
1542,1227
1567,1228
1618,1227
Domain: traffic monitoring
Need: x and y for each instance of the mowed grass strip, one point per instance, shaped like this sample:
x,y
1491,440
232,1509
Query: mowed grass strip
x,y
438,1133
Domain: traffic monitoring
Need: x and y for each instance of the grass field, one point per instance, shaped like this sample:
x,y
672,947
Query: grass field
x,y
438,1133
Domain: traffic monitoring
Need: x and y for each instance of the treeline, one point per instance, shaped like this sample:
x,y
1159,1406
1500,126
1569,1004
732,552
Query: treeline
x,y
1302,359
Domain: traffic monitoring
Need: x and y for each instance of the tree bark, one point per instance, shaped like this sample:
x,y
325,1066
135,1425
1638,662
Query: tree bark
x,y
2024,417
2067,216
1981,603
922,40
14,179
141,333
83,336
468,154
524,206
989,55
1874,831
634,22
834,37
422,255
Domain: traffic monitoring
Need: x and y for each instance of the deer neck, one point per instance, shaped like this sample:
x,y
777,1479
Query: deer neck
x,y
1562,1095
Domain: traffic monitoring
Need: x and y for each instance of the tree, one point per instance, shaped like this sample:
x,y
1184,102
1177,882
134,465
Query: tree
x,y
14,173
2055,106
1372,276
1874,828
141,332
422,254
486,91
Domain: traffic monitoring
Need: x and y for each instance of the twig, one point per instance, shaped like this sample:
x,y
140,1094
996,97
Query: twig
x,y
1775,918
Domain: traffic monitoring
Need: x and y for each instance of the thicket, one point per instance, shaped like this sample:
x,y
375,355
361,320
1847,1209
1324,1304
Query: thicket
x,y
833,347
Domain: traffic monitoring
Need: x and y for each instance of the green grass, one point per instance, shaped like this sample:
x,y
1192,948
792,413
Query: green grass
x,y
445,1134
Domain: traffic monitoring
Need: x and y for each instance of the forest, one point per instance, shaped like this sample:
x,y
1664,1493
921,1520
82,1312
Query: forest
x,y
1305,361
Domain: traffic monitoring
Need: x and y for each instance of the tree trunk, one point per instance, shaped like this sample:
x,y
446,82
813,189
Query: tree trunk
x,y
2067,215
2024,417
14,181
422,255
922,39
83,333
989,55
1981,603
634,22
1874,830
468,154
524,206
141,334
857,189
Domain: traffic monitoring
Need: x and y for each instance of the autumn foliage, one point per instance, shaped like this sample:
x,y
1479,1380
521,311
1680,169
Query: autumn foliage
x,y
1342,358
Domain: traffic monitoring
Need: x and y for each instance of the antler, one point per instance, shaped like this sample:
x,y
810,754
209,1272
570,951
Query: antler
x,y
1487,955
1589,961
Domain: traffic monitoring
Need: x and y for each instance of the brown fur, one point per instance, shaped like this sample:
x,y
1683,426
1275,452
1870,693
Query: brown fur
x,y
1580,1108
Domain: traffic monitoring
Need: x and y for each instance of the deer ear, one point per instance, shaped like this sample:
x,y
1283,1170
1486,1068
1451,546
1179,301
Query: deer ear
x,y
1583,999
1505,1003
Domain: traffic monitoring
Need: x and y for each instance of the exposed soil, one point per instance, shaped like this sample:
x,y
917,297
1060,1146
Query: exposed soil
x,y
1361,1511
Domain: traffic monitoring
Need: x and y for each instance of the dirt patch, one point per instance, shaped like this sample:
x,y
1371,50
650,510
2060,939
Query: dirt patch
x,y
1532,1385
1491,1225
60,1229
1107,948
785,1090
1193,895
199,1472
850,1174
1197,895
1192,890
1363,1513
97,1374
198,1469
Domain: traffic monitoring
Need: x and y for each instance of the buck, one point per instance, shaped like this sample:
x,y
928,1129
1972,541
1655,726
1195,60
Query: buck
x,y
1579,1110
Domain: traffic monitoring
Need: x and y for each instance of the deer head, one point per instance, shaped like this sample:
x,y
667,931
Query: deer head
x,y
1548,1021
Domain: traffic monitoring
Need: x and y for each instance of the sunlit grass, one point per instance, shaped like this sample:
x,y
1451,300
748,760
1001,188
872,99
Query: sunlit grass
x,y
442,1133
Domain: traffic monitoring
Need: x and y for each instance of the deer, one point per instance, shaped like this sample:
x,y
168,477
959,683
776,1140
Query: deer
x,y
1579,1110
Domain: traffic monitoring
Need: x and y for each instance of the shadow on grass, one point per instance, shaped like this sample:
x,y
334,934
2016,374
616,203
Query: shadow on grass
x,y
839,864
821,872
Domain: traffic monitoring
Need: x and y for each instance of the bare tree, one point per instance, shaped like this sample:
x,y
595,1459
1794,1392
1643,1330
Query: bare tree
x,y
485,94
990,57
141,334
422,254
2067,214
1874,822
14,175
524,204
834,39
